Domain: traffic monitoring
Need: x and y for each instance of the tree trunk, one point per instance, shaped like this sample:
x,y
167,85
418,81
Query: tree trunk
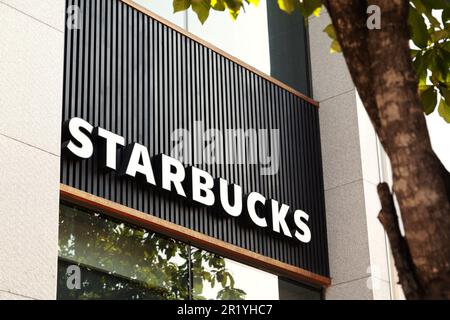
x,y
380,64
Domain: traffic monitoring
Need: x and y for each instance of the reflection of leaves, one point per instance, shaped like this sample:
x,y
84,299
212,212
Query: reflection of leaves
x,y
210,268
229,293
124,262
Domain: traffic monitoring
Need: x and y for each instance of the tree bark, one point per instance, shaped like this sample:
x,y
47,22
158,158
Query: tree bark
x,y
402,257
350,24
380,64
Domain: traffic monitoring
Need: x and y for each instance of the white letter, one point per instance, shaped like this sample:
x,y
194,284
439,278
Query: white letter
x,y
270,163
251,201
306,236
213,140
278,218
140,152
182,150
374,19
73,17
74,279
87,149
236,209
168,177
198,186
112,140
198,142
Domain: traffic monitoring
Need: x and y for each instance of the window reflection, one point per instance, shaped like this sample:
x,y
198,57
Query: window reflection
x,y
239,282
213,277
118,261
290,290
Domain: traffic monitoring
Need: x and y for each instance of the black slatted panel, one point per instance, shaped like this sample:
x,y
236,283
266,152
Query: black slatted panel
x,y
132,75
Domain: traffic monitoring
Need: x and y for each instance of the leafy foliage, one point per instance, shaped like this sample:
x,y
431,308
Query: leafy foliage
x,y
335,47
429,24
119,261
431,57
203,7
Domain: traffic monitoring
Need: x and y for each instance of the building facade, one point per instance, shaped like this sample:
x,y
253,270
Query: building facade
x,y
144,155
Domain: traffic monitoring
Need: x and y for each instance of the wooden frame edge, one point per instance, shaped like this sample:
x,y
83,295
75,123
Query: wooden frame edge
x,y
166,22
178,232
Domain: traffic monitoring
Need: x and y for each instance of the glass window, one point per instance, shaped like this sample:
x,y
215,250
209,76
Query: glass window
x,y
101,258
118,261
238,281
229,280
289,48
290,290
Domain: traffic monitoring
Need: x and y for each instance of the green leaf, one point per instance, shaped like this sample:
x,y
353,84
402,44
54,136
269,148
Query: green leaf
x,y
287,5
445,93
223,280
440,35
446,15
198,285
443,64
335,47
253,2
426,7
181,5
329,30
444,54
232,282
436,4
311,7
418,64
417,28
428,98
446,46
201,8
234,6
444,110
439,66
415,53
218,5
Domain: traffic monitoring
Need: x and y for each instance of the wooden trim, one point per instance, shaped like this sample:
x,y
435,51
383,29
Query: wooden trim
x,y
190,236
153,15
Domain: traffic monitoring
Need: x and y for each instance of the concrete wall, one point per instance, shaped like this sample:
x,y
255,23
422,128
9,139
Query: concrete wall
x,y
31,74
359,256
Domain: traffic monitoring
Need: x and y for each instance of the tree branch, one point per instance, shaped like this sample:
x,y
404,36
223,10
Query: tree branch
x,y
446,178
402,258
